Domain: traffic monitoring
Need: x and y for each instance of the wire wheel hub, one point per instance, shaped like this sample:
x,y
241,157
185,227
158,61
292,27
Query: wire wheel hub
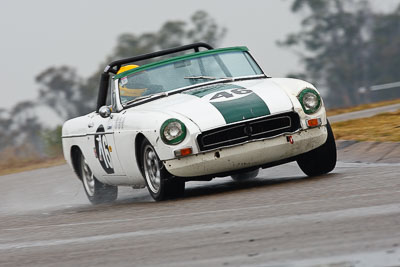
x,y
152,169
88,178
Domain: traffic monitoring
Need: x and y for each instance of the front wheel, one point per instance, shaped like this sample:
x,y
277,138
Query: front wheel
x,y
96,191
245,176
160,183
320,160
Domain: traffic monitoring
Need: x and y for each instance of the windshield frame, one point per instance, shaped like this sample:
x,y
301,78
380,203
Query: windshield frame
x,y
200,54
183,57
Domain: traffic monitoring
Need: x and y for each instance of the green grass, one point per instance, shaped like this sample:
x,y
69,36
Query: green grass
x,y
21,165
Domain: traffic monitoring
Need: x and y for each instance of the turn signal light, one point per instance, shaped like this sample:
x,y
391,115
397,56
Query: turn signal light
x,y
183,152
314,122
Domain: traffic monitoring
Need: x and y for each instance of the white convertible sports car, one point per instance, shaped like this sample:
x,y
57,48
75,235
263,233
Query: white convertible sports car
x,y
196,116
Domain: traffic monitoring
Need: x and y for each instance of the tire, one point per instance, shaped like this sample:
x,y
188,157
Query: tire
x,y
245,176
96,191
322,159
160,183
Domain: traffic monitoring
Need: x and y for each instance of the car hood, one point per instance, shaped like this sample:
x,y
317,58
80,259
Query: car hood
x,y
221,104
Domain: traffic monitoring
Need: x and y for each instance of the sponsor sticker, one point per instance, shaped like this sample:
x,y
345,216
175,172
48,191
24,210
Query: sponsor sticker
x,y
124,80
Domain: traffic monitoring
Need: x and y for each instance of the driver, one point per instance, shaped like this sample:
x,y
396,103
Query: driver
x,y
127,88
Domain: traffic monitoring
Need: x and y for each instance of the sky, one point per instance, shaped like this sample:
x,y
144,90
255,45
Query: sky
x,y
81,33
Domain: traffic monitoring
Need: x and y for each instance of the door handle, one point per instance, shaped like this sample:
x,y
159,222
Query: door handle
x,y
90,125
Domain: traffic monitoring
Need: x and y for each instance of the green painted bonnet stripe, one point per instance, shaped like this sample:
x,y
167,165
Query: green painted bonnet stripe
x,y
179,58
248,107
244,108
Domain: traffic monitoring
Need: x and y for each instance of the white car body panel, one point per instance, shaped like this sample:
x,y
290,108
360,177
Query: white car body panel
x,y
247,155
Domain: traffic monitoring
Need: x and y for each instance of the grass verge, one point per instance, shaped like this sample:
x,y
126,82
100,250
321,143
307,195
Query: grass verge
x,y
14,166
383,127
333,112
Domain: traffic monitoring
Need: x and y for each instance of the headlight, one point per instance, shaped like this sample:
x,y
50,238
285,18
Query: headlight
x,y
309,100
173,132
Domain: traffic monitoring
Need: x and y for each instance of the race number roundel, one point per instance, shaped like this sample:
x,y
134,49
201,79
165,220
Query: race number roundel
x,y
103,152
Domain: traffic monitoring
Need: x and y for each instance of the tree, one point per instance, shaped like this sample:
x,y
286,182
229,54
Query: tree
x,y
52,141
335,36
347,46
25,126
5,123
201,28
60,89
205,29
384,66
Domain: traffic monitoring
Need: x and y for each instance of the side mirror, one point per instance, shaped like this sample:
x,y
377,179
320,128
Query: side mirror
x,y
105,112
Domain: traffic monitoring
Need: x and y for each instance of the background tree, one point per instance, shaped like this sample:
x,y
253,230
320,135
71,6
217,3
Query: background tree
x,y
205,29
384,57
5,123
52,141
25,127
60,89
334,36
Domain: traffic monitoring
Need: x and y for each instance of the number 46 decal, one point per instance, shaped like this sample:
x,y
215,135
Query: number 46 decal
x,y
229,94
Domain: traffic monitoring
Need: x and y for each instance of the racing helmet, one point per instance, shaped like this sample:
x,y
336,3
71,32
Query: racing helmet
x,y
129,91
126,68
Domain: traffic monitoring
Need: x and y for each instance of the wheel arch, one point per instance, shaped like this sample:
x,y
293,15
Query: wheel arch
x,y
138,144
76,154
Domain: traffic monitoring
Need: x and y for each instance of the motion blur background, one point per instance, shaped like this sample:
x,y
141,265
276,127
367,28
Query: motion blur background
x,y
53,52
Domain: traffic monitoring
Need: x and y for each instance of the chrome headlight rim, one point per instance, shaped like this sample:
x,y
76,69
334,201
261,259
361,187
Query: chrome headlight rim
x,y
309,110
179,138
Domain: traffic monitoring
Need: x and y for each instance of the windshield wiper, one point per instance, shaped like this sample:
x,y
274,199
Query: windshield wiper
x,y
201,77
146,97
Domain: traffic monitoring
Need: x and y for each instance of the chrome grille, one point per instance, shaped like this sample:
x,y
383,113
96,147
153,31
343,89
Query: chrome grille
x,y
249,130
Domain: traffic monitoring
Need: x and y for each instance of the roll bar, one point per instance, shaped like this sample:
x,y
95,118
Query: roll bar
x,y
114,66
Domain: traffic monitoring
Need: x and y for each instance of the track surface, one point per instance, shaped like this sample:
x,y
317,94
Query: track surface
x,y
350,217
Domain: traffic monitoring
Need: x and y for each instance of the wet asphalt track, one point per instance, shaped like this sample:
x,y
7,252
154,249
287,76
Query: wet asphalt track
x,y
350,217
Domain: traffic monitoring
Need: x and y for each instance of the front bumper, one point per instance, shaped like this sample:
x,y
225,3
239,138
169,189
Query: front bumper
x,y
255,153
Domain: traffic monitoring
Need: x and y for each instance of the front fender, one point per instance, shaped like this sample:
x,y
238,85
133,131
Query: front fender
x,y
293,87
148,124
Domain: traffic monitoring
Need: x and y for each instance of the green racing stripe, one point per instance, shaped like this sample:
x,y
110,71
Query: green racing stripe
x,y
243,108
248,107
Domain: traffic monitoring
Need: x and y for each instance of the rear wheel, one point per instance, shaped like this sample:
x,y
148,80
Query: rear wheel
x,y
322,159
160,183
96,191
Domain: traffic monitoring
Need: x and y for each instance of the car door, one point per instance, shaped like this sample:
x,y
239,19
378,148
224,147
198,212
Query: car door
x,y
101,138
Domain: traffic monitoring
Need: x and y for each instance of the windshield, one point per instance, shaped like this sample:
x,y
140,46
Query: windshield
x,y
186,72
